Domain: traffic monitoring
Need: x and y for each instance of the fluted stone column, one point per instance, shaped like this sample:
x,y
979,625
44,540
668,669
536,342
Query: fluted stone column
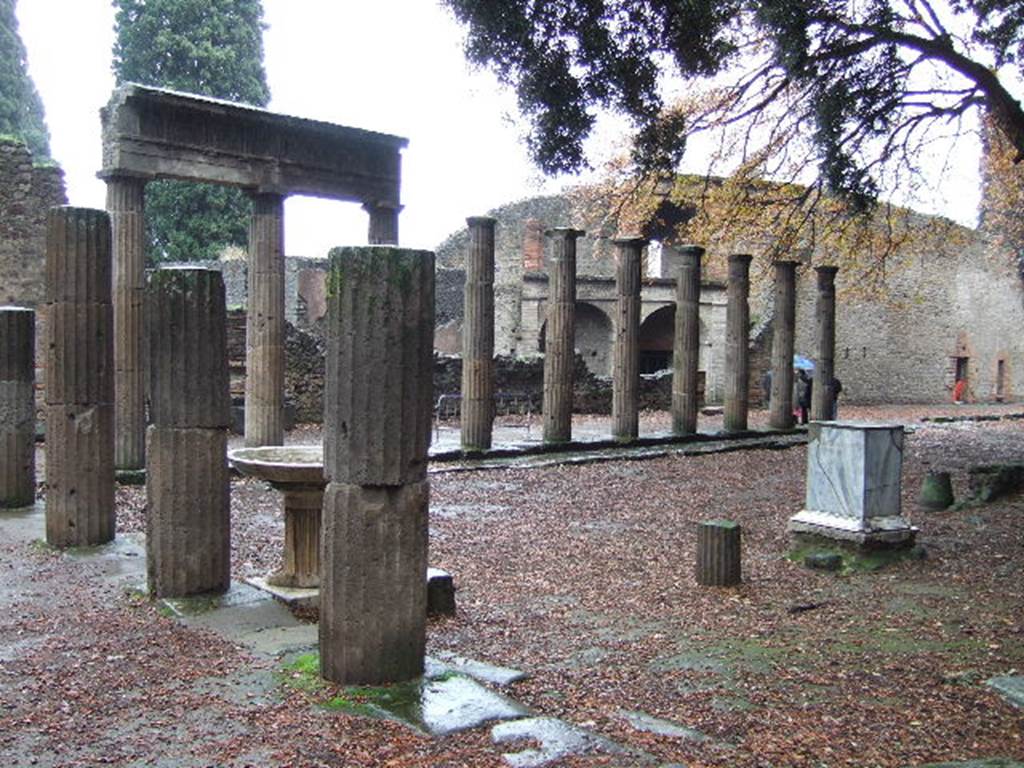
x,y
822,393
737,339
626,349
378,405
686,344
560,335
17,407
188,522
783,330
264,330
383,228
79,333
478,337
125,204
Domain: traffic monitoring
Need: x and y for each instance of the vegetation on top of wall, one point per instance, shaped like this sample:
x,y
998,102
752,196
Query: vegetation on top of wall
x,y
21,109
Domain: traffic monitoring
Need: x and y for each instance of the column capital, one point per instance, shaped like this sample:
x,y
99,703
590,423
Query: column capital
x,y
689,249
740,258
382,205
110,177
827,270
791,263
636,241
481,221
564,232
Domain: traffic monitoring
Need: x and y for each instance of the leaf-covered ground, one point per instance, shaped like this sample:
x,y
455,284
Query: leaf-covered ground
x,y
581,576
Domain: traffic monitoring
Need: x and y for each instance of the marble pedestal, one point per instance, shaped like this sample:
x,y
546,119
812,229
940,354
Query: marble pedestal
x,y
853,485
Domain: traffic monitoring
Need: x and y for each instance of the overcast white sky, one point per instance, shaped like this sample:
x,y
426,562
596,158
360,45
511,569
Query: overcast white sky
x,y
394,66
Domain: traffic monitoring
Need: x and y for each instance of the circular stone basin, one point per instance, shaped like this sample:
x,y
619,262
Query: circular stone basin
x,y
284,464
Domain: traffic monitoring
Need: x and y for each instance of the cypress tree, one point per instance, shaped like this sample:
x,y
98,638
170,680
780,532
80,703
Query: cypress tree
x,y
21,109
208,47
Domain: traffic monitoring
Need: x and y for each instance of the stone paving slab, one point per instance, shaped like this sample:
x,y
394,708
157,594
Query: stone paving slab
x,y
558,741
1011,687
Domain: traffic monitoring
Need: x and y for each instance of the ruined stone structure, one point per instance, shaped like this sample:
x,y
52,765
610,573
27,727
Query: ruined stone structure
x,y
150,134
783,327
79,379
686,350
561,321
188,524
478,337
17,407
373,597
626,351
823,392
737,342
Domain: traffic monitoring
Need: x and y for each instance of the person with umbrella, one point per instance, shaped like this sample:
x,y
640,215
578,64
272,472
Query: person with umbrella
x,y
802,384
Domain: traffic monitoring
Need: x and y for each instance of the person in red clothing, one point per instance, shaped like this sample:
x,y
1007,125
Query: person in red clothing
x,y
959,390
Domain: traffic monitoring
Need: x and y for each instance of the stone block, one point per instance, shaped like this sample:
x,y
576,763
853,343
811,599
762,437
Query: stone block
x,y
440,593
188,525
719,553
373,594
79,339
79,475
78,256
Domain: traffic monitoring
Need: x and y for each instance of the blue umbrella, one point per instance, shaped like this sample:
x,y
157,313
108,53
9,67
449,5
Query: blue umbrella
x,y
803,363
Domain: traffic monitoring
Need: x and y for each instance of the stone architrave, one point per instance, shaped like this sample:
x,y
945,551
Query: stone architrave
x,y
737,340
854,474
823,391
477,413
783,330
626,349
79,347
686,344
373,597
559,349
188,524
125,204
264,329
383,227
17,407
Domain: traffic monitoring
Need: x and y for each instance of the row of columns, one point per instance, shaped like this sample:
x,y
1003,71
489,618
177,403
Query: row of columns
x,y
478,340
265,322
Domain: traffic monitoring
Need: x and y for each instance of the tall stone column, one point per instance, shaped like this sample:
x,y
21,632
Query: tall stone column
x,y
125,204
686,344
377,414
783,330
17,407
737,340
626,349
823,391
478,337
264,329
559,349
188,522
79,341
383,228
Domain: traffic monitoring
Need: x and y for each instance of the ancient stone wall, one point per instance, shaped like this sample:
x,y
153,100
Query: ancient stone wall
x,y
27,192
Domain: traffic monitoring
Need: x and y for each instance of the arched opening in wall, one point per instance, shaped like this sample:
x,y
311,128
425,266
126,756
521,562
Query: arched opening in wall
x,y
657,335
593,338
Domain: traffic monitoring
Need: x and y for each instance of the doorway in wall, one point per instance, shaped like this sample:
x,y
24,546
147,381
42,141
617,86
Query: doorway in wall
x,y
1000,380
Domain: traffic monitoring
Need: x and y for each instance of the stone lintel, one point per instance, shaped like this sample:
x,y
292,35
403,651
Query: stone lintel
x,y
153,133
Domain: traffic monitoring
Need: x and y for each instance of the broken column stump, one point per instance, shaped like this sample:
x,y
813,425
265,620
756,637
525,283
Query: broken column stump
x,y
936,492
79,333
17,407
378,406
188,525
718,553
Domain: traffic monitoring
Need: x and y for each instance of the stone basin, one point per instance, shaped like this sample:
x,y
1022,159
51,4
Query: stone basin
x,y
298,472
281,464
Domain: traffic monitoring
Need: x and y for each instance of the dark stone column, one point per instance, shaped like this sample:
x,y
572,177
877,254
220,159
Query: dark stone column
x,y
783,330
79,331
188,524
17,407
686,345
626,350
737,340
378,406
125,204
823,392
264,330
383,228
478,337
559,349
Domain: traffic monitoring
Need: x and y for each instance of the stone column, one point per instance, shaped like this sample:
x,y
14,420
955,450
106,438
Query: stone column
x,y
478,337
383,228
188,522
686,344
17,407
378,406
783,330
626,349
737,340
559,348
79,336
125,204
264,329
822,393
